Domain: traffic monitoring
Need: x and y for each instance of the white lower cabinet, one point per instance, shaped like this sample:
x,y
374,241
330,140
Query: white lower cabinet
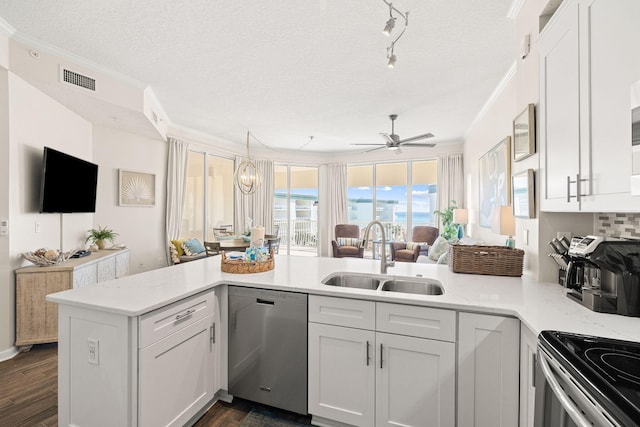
x,y
528,354
361,377
176,377
177,361
488,370
415,381
157,369
341,376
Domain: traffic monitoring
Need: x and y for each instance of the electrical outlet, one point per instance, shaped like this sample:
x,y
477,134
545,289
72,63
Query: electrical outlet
x,y
4,227
37,226
93,351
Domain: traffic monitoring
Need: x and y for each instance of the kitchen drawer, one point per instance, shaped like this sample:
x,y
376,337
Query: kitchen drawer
x,y
342,312
164,321
423,322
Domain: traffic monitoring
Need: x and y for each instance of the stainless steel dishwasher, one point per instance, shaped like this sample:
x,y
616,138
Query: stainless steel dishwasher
x,y
268,347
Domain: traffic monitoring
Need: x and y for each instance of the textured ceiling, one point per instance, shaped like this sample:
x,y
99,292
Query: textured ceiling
x,y
286,70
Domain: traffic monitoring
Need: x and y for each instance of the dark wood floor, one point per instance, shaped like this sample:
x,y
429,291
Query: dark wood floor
x,y
29,394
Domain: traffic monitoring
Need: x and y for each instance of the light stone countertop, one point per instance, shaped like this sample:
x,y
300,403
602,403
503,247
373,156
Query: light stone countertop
x,y
538,305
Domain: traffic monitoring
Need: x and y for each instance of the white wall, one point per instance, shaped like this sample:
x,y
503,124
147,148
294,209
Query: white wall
x,y
492,126
35,120
142,229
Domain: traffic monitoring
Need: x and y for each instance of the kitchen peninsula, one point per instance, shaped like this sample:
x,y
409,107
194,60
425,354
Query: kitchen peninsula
x,y
118,333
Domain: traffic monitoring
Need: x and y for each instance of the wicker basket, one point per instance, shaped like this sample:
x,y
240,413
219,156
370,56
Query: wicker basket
x,y
492,260
244,267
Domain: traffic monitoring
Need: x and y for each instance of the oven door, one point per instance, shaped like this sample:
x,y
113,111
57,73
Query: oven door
x,y
561,401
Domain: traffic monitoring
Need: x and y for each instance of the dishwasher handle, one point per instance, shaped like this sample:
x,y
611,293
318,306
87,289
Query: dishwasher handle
x,y
265,301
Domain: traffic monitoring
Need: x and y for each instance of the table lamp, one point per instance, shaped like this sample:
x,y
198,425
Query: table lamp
x,y
504,223
460,217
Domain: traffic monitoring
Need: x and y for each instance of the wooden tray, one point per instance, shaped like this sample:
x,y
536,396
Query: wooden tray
x,y
243,267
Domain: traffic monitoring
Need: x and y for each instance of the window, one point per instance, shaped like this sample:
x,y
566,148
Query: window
x,y
405,195
208,203
296,209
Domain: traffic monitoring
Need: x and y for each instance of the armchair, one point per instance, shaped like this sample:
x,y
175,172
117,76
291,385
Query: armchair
x,y
347,242
422,238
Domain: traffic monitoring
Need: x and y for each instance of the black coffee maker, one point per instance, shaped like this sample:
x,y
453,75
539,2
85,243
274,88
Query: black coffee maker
x,y
604,275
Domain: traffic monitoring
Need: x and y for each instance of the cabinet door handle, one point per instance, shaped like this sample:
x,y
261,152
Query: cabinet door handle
x,y
185,314
264,301
578,183
212,333
533,369
367,353
381,352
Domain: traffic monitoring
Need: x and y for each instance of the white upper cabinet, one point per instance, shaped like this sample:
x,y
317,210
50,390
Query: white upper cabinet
x,y
614,65
560,110
588,62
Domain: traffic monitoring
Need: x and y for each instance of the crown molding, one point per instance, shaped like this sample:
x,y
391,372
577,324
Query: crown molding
x,y
514,9
492,98
6,28
76,59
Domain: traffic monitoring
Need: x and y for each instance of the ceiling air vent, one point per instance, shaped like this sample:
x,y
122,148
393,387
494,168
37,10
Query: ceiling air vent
x,y
78,80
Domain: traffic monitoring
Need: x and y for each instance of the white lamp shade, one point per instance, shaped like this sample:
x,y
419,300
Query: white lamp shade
x,y
461,216
503,221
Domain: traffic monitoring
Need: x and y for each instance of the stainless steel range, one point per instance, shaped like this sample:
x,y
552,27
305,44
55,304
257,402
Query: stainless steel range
x,y
587,381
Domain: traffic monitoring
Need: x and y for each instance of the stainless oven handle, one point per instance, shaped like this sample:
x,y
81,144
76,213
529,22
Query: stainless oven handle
x,y
566,403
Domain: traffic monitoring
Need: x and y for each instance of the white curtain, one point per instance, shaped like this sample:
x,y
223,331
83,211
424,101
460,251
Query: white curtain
x,y
450,180
259,205
176,185
336,200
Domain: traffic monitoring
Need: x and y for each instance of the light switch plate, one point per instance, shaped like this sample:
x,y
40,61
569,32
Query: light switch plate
x,y
93,351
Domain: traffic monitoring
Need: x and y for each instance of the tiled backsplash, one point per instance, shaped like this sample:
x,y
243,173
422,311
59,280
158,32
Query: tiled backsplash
x,y
618,224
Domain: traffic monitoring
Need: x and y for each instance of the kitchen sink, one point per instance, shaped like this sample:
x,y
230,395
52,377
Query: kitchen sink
x,y
353,281
412,287
407,285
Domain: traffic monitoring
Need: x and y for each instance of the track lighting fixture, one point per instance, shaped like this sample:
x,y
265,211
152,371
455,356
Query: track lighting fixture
x,y
388,28
392,60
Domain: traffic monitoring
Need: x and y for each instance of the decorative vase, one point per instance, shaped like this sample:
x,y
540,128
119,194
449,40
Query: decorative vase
x,y
101,244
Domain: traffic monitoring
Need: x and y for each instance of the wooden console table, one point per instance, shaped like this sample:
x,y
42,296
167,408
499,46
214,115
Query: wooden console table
x,y
36,318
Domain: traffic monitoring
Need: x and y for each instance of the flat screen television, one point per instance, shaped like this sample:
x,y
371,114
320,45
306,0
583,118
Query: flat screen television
x,y
69,184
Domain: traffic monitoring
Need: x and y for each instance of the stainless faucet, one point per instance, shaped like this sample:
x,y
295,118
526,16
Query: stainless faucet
x,y
383,252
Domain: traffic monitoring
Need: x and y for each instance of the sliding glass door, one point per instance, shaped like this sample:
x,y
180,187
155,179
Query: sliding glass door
x,y
208,202
296,209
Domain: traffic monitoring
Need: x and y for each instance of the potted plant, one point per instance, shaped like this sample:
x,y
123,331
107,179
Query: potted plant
x,y
449,230
98,236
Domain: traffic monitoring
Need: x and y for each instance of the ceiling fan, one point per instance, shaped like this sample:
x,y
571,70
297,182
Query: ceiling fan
x,y
393,141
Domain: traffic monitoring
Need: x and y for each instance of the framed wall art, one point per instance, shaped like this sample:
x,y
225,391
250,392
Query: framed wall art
x,y
136,188
524,133
523,194
495,180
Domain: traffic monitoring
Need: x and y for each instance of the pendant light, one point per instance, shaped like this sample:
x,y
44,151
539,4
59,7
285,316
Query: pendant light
x,y
246,176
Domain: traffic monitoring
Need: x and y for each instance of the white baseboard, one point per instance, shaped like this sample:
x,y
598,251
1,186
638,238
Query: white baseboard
x,y
8,353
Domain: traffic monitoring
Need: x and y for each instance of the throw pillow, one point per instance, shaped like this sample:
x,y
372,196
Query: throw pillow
x,y
174,253
177,244
444,258
411,245
193,247
348,241
440,246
